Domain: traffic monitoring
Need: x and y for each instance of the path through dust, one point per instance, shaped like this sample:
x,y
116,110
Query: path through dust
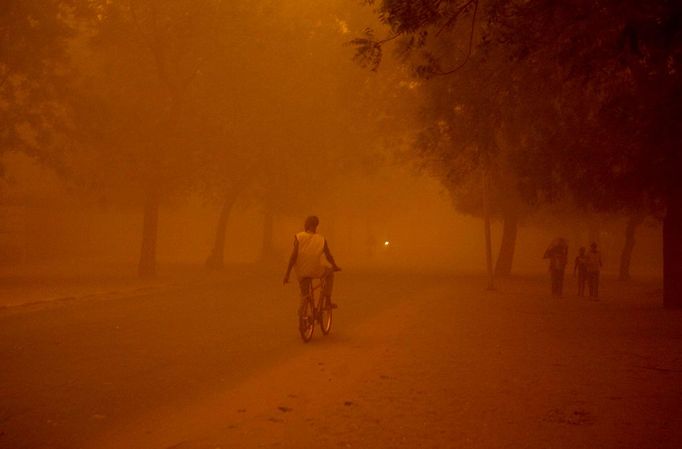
x,y
451,365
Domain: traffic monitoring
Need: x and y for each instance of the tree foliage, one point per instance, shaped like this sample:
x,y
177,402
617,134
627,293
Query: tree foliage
x,y
34,38
585,95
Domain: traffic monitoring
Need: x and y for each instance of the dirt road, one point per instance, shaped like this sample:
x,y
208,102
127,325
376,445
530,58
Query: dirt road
x,y
412,362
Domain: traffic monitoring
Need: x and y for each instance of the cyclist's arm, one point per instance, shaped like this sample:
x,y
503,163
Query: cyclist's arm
x,y
329,256
292,260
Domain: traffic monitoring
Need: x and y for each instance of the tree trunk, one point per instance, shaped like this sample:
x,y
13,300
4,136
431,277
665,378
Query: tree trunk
x,y
625,257
268,250
505,258
147,266
488,234
489,253
216,260
672,252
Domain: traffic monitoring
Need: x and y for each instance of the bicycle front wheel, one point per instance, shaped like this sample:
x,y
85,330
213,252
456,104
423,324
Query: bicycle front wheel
x,y
306,321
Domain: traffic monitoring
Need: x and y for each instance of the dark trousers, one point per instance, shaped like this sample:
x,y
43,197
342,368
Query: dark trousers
x,y
593,282
557,282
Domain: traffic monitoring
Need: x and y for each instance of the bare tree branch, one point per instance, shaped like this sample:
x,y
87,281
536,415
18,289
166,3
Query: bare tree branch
x,y
471,44
455,15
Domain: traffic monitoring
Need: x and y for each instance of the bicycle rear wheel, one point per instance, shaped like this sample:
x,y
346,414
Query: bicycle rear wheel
x,y
325,316
306,321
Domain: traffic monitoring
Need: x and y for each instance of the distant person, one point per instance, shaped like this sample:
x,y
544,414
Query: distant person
x,y
580,268
306,258
593,267
557,253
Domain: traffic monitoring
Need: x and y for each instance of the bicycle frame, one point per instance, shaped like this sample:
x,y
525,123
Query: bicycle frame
x,y
313,288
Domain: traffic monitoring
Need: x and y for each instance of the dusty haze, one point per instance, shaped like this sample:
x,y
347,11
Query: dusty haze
x,y
45,225
278,125
158,158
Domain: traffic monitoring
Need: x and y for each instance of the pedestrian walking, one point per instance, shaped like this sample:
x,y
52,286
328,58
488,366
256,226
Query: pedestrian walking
x,y
580,268
557,253
593,267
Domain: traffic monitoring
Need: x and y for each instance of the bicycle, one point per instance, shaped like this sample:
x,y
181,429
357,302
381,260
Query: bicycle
x,y
315,308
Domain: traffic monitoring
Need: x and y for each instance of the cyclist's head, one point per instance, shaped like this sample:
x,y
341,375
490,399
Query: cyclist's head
x,y
311,223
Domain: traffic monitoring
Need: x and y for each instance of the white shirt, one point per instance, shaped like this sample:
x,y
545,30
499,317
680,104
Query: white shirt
x,y
309,259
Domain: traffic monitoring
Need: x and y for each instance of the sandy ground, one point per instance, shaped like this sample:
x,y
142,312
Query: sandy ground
x,y
412,362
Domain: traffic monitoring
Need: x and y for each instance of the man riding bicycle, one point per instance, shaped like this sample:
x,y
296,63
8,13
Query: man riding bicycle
x,y
306,257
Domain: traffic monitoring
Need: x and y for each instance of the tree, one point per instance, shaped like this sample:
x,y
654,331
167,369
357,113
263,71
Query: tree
x,y
426,32
620,67
33,66
139,124
600,127
328,129
626,255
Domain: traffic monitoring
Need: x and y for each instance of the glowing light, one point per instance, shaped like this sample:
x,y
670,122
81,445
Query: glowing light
x,y
386,243
343,26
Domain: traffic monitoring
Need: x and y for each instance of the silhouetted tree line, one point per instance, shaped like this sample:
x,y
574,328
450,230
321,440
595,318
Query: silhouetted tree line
x,y
535,102
138,102
528,103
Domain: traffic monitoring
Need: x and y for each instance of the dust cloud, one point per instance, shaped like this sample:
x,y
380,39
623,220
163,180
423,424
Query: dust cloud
x,y
46,224
159,160
175,150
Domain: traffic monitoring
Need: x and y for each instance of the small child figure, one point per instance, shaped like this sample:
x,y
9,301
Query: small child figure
x,y
580,268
